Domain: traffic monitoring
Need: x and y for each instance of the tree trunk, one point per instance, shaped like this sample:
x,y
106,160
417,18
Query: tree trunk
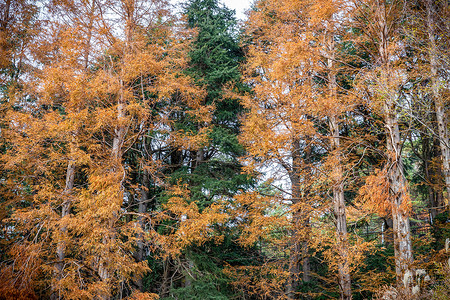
x,y
294,268
142,209
437,97
299,265
338,185
65,210
117,168
299,257
341,220
60,250
120,131
399,198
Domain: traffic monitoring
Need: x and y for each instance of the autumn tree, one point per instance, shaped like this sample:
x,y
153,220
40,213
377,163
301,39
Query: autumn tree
x,y
426,42
438,56
136,161
94,107
19,30
379,22
279,127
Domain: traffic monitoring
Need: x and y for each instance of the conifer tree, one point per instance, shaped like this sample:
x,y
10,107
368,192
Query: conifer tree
x,y
279,128
379,21
212,171
80,125
214,63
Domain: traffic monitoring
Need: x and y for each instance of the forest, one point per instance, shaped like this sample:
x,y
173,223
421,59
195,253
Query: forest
x,y
152,150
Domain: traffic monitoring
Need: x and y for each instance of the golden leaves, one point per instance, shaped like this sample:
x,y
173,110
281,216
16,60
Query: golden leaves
x,y
191,140
260,218
375,196
192,225
263,282
143,296
85,106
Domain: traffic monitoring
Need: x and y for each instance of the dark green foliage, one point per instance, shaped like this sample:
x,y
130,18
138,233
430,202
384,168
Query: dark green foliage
x,y
152,278
441,230
215,57
214,171
208,262
379,261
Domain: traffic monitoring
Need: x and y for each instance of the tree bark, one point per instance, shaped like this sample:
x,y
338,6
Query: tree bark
x,y
340,215
60,250
119,138
399,198
299,258
65,210
142,209
338,185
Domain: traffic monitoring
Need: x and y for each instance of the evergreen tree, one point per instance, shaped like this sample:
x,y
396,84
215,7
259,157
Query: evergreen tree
x,y
213,172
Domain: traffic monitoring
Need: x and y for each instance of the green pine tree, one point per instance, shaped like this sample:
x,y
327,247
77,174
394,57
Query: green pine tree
x,y
213,172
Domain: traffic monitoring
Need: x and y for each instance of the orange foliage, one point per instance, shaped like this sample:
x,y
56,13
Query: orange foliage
x,y
143,296
262,282
374,195
89,108
192,227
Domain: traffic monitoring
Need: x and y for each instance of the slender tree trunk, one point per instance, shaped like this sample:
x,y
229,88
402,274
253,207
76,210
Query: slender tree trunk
x,y
119,131
119,139
142,209
200,157
299,257
60,250
441,116
306,266
117,168
338,186
341,220
399,198
65,210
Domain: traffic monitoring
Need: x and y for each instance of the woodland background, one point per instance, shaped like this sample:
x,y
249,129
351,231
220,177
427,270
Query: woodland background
x,y
151,152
